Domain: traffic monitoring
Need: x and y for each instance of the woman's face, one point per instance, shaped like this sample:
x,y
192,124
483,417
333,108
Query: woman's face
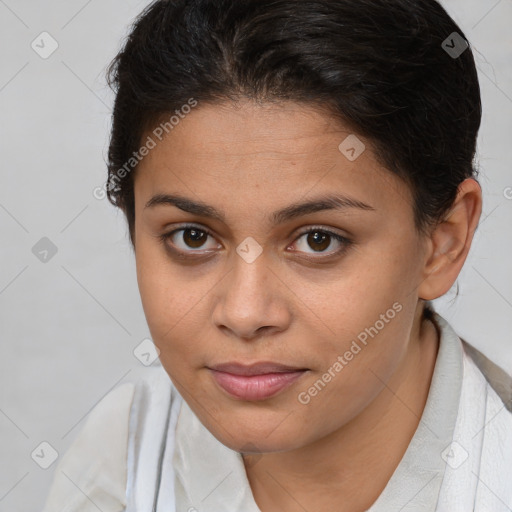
x,y
250,277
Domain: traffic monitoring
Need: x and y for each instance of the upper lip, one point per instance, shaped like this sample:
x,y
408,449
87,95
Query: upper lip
x,y
259,368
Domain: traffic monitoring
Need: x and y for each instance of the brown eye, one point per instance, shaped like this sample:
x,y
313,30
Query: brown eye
x,y
194,238
316,240
188,238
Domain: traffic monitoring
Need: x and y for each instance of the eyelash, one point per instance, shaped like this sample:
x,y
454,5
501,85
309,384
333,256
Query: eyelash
x,y
345,242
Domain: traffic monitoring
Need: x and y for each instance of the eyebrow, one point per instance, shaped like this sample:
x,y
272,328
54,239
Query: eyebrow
x,y
329,202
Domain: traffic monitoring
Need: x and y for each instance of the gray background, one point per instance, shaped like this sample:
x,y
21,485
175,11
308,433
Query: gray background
x,y
69,325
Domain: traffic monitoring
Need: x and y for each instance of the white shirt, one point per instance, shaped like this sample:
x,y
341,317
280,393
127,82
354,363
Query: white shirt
x,y
143,449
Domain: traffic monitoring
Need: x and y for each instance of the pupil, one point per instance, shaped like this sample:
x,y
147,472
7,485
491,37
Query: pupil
x,y
195,239
322,237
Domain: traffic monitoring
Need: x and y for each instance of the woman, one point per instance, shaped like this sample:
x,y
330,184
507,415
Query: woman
x,y
298,182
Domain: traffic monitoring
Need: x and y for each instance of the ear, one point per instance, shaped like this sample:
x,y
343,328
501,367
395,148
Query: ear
x,y
450,241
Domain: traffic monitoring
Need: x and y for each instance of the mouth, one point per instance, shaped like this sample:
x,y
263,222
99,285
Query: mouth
x,y
257,381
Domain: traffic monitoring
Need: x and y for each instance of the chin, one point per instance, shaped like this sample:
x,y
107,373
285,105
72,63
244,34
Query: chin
x,y
242,435
254,445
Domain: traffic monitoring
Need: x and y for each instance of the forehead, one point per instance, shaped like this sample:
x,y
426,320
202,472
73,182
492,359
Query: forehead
x,y
264,154
269,129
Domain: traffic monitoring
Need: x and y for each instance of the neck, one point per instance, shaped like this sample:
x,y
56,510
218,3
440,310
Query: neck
x,y
330,474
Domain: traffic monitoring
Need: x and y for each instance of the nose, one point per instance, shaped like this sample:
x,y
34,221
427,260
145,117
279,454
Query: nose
x,y
252,300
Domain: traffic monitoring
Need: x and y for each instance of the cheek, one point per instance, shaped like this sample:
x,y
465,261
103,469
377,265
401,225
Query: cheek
x,y
367,316
161,291
173,300
353,371
371,285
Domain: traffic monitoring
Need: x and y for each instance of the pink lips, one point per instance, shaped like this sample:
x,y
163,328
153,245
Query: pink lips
x,y
255,382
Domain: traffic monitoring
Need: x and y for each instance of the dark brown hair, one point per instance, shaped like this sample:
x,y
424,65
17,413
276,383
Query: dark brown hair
x,y
380,66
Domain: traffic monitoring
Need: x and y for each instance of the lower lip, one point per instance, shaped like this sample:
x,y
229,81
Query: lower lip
x,y
255,387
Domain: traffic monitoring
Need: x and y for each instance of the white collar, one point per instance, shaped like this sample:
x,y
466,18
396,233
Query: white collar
x,y
464,419
212,477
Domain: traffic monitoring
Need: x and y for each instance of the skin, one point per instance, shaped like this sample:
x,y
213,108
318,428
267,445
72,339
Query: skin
x,y
297,303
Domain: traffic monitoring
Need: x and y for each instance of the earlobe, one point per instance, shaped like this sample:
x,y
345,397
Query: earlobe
x,y
450,242
444,265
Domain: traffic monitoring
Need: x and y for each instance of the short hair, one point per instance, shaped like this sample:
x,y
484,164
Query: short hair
x,y
380,66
